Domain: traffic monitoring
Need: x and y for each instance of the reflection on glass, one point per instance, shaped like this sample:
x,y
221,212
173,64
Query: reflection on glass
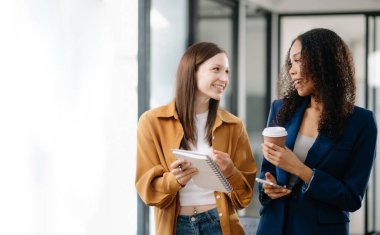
x,y
168,42
255,91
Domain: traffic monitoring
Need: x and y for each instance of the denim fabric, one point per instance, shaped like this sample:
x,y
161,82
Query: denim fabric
x,y
199,224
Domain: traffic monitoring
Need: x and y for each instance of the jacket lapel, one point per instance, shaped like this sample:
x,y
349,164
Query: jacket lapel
x,y
318,151
292,128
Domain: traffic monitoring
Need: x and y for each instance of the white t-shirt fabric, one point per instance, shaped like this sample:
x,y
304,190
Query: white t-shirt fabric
x,y
192,194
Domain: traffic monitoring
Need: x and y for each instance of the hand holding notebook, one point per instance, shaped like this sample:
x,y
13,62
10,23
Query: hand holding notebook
x,y
209,175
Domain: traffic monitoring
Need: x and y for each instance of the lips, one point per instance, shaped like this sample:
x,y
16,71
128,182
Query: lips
x,y
219,86
297,83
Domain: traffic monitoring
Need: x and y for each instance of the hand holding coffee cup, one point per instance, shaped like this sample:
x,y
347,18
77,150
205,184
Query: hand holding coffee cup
x,y
276,135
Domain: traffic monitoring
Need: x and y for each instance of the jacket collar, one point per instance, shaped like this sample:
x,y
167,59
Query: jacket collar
x,y
167,111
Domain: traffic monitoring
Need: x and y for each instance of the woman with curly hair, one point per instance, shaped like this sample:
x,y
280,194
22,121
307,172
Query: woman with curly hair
x,y
330,147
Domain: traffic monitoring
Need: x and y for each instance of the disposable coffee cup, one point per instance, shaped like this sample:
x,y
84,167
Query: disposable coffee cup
x,y
276,135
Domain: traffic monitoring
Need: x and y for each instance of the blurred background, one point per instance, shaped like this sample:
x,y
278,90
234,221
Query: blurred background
x,y
76,75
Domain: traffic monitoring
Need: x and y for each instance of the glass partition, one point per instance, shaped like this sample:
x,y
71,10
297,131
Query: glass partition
x,y
256,93
374,104
168,20
216,24
168,43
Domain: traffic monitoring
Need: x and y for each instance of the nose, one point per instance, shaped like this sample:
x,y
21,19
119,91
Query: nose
x,y
292,70
224,77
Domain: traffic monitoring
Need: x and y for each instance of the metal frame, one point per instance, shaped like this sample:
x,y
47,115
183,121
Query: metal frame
x,y
192,22
268,85
143,89
235,59
374,108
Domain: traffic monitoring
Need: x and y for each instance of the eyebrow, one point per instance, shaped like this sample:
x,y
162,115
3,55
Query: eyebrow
x,y
295,54
219,65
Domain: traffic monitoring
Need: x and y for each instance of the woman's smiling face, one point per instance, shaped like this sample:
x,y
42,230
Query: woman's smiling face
x,y
212,77
303,85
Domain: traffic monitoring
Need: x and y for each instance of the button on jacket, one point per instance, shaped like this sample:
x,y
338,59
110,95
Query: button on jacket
x,y
160,131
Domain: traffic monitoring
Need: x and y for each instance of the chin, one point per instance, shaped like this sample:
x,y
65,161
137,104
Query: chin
x,y
302,94
219,97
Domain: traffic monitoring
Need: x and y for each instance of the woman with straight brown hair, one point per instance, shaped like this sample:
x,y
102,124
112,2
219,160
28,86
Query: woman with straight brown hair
x,y
194,121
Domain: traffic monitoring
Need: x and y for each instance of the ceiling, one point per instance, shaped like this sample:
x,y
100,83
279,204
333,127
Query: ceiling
x,y
310,6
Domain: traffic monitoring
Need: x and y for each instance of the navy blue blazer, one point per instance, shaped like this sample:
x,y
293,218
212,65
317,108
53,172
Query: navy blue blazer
x,y
338,185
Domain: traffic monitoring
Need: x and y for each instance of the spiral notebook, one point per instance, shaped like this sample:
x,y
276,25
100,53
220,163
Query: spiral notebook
x,y
209,175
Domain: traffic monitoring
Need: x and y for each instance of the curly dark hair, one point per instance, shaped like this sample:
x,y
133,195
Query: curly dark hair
x,y
327,61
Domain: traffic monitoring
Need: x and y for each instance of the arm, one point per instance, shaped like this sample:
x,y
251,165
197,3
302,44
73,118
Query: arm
x,y
346,192
155,184
242,180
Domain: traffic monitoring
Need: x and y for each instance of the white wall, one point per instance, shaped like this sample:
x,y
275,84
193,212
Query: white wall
x,y
68,102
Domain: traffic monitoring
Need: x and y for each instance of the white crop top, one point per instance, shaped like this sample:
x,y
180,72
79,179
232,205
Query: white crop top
x,y
191,194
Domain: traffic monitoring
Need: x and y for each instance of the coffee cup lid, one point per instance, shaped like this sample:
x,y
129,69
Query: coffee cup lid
x,y
275,131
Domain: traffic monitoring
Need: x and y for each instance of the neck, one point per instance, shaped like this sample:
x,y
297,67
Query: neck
x,y
201,105
314,104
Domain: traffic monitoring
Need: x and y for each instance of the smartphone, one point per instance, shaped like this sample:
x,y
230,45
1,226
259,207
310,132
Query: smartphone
x,y
269,183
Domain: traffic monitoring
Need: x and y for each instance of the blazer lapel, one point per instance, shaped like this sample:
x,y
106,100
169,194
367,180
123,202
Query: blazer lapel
x,y
318,151
292,128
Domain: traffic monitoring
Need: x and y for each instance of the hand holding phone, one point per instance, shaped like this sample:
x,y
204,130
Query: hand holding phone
x,y
269,183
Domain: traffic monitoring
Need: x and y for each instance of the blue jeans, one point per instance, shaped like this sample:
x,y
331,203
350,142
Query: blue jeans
x,y
199,224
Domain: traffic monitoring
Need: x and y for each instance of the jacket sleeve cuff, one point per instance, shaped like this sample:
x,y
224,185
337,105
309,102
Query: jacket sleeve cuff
x,y
174,185
306,186
236,180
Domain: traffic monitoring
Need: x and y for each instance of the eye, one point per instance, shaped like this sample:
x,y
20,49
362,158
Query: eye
x,y
227,71
216,69
298,59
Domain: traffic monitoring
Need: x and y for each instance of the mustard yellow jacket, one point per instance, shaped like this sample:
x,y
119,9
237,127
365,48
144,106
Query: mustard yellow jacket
x,y
160,131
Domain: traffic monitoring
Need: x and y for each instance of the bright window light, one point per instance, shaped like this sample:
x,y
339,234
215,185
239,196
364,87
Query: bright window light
x,y
68,101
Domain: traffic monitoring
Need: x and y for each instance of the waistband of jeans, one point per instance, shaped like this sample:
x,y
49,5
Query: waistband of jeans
x,y
198,216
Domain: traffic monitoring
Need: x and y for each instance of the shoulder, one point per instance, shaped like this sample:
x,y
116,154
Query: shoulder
x,y
277,104
228,117
361,122
164,111
361,116
360,111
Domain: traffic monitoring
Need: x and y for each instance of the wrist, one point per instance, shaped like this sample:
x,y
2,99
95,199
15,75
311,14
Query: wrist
x,y
232,173
305,174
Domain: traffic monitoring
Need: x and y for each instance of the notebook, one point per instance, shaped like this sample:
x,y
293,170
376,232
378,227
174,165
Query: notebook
x,y
209,175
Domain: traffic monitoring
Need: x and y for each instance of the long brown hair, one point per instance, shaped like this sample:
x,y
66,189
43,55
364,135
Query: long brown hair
x,y
327,61
186,89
